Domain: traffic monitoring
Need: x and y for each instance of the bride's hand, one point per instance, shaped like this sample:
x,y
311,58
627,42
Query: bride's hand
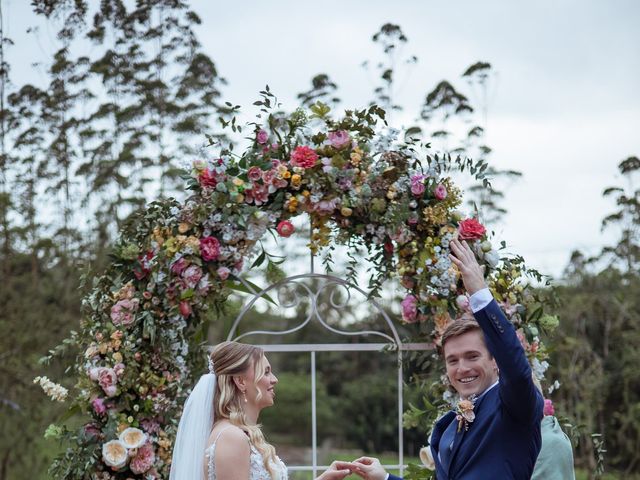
x,y
337,471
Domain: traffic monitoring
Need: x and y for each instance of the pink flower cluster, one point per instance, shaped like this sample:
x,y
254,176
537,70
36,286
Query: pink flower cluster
x,y
417,184
123,312
409,309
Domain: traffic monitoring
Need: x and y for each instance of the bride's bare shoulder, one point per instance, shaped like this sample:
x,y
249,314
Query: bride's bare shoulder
x,y
227,434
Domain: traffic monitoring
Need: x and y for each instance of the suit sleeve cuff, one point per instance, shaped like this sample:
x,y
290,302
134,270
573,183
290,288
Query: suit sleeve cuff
x,y
480,299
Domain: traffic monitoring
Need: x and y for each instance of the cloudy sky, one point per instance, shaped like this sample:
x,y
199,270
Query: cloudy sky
x,y
564,109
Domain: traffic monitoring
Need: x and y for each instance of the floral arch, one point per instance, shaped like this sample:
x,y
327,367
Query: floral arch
x,y
142,325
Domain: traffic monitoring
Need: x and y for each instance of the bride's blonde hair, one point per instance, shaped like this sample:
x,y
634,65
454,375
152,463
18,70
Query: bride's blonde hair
x,y
230,359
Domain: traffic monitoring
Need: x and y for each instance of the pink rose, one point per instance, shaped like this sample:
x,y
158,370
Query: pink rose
x,y
179,265
440,192
254,174
223,273
119,369
123,312
285,228
209,248
262,137
192,275
98,405
417,189
339,139
107,379
143,460
304,157
548,407
409,309
185,309
470,229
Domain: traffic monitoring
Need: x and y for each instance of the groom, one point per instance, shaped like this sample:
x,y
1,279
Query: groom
x,y
485,364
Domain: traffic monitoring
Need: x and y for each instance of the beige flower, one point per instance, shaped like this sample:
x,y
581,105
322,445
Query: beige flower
x,y
427,458
133,437
115,454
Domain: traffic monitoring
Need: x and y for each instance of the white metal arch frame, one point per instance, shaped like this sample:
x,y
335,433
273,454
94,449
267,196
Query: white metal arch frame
x,y
324,282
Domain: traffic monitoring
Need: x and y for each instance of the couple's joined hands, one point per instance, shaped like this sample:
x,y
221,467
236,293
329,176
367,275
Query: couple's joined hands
x,y
368,468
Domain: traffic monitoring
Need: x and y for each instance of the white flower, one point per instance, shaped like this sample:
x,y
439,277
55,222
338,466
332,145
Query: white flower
x,y
133,437
114,454
427,458
492,258
53,390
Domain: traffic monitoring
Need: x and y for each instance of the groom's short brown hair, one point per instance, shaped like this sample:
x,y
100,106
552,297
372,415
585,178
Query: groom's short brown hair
x,y
457,328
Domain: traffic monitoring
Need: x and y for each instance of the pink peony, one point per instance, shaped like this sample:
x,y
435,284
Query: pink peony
x,y
548,407
409,309
254,174
98,405
440,192
285,228
123,312
209,248
143,460
223,273
470,229
192,275
262,137
304,157
339,139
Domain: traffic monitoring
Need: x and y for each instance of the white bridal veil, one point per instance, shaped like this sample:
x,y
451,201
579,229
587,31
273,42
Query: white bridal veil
x,y
193,431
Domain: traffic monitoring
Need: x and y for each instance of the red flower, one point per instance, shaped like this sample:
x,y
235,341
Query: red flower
x,y
143,267
209,248
207,178
471,229
304,157
285,228
185,308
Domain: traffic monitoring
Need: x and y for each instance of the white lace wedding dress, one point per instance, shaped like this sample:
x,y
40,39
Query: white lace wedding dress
x,y
257,471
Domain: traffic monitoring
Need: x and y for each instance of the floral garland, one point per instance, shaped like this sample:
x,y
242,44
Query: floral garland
x,y
360,186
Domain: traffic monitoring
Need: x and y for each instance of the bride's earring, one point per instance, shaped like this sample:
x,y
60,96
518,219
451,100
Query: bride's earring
x,y
244,395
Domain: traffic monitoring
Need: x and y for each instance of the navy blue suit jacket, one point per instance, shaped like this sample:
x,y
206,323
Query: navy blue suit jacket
x,y
504,440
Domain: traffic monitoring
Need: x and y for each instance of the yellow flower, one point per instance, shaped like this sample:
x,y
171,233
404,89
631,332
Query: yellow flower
x,y
346,211
117,357
193,242
286,174
238,182
296,181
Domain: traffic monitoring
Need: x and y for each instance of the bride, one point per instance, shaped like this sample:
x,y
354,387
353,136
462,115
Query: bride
x,y
218,436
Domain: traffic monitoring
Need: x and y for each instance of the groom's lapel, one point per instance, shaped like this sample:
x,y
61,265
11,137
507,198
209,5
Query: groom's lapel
x,y
457,441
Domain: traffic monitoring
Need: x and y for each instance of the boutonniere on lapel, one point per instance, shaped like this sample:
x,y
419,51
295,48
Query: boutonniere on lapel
x,y
464,412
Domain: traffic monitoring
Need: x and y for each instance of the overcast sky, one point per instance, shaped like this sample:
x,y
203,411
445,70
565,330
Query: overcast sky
x,y
565,108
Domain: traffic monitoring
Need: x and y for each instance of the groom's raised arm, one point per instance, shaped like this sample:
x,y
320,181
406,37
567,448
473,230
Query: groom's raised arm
x,y
519,395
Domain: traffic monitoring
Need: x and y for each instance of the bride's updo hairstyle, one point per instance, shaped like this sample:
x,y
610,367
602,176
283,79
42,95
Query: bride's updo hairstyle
x,y
230,359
